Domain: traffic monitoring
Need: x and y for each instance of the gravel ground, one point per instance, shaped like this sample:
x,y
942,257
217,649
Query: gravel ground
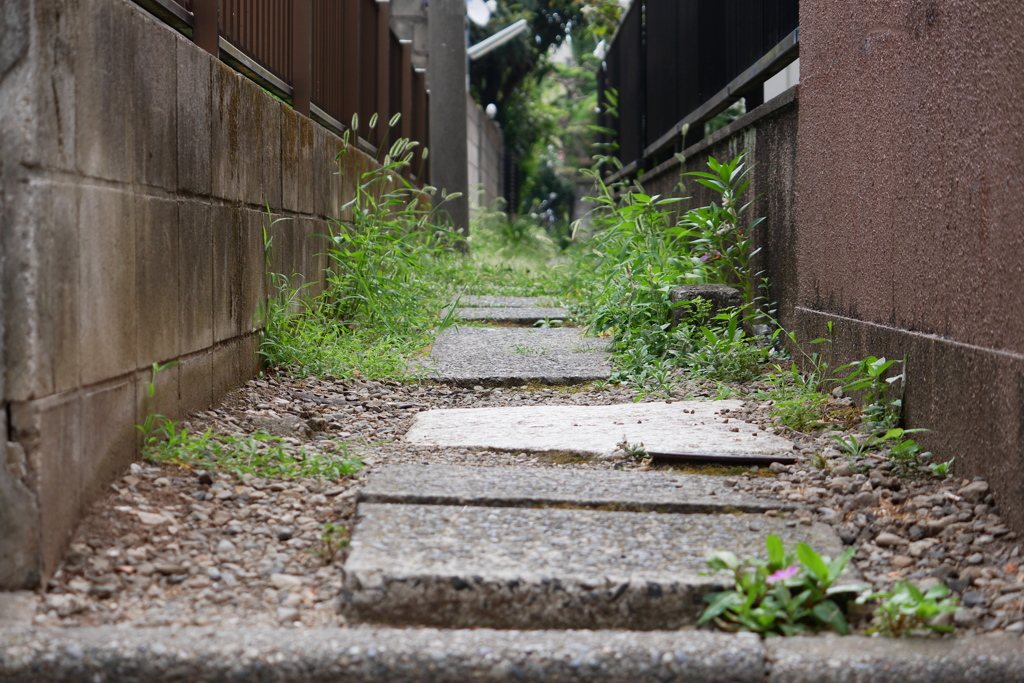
x,y
175,547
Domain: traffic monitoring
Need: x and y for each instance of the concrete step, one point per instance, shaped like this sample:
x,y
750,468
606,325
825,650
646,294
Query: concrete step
x,y
662,491
510,356
682,426
370,655
511,316
462,566
487,301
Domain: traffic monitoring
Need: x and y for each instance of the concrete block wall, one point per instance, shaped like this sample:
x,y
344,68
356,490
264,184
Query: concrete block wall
x,y
911,190
485,148
136,177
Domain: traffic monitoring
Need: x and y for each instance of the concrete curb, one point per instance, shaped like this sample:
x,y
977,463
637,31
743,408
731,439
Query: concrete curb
x,y
271,655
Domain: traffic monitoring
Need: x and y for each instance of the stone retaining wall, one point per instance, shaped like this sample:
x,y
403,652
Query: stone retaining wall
x,y
136,176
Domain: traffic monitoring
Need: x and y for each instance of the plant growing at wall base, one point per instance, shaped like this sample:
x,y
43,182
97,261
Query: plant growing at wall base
x,y
870,375
906,609
259,454
717,234
787,593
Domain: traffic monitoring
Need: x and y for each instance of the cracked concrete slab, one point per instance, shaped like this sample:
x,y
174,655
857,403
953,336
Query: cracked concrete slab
x,y
661,491
510,356
478,301
859,659
370,655
682,426
510,315
463,566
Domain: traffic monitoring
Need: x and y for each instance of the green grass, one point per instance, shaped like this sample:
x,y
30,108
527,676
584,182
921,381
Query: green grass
x,y
259,453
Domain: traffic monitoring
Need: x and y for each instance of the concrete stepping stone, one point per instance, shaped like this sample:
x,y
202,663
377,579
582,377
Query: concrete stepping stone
x,y
549,486
511,316
682,426
509,356
463,566
485,301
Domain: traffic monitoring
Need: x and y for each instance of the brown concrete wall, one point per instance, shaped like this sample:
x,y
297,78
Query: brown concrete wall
x,y
768,135
911,187
135,176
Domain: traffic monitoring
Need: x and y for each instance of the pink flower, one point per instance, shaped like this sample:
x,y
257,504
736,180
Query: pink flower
x,y
783,574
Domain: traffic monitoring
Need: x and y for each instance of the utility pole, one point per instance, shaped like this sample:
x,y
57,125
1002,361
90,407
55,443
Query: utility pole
x,y
446,80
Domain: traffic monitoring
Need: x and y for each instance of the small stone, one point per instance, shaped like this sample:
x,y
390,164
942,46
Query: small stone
x,y
79,585
284,534
919,548
1017,628
976,558
975,492
167,568
973,599
901,561
221,517
861,500
888,540
104,591
225,547
287,614
967,618
286,581
843,470
205,478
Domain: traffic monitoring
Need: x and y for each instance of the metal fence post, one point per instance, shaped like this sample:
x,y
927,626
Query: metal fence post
x,y
383,71
206,28
302,38
351,65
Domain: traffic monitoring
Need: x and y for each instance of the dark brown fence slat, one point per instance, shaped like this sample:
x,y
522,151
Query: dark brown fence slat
x,y
368,13
301,39
383,104
268,43
204,16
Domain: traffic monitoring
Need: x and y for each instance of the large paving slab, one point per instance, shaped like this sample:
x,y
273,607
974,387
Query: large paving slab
x,y
682,426
368,655
485,301
375,655
510,316
661,491
508,356
464,566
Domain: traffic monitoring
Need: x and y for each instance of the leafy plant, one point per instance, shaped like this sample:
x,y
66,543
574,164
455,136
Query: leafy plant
x,y
333,537
906,609
153,422
717,234
724,352
786,594
942,470
905,454
635,451
870,376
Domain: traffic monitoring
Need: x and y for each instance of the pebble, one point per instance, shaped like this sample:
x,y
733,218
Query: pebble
x,y
888,540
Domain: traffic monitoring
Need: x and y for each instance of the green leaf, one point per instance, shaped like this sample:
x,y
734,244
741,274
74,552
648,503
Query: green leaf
x,y
836,567
828,612
718,603
723,559
812,561
776,551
